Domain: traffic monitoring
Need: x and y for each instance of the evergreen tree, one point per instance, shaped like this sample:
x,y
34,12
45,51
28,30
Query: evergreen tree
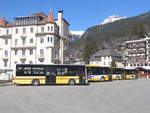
x,y
90,48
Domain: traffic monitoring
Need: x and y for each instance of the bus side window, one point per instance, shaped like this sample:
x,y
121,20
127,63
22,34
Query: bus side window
x,y
27,71
38,71
48,73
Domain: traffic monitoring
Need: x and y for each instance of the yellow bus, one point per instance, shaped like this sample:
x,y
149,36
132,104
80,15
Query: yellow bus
x,y
130,74
117,73
35,74
98,73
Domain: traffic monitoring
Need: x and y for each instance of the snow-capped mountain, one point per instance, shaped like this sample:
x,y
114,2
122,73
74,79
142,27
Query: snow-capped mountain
x,y
112,19
76,34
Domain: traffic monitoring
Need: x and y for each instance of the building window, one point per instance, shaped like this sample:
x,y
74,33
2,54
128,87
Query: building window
x,y
51,28
7,31
31,30
24,30
6,42
51,39
23,41
16,42
31,52
23,52
16,52
16,31
31,40
48,28
48,39
41,52
5,63
42,40
6,53
42,29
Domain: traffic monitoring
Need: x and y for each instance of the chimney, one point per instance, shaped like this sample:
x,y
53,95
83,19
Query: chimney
x,y
60,14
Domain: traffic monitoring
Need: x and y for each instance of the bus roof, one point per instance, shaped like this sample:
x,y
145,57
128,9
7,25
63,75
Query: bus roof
x,y
48,65
96,66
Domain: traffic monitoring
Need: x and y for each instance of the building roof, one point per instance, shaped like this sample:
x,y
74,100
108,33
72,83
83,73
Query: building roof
x,y
33,15
64,21
105,52
133,41
50,17
43,19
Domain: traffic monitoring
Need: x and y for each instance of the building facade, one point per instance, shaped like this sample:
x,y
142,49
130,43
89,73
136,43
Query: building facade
x,y
105,57
137,53
34,39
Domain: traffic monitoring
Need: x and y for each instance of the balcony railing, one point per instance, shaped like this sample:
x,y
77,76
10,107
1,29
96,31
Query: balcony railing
x,y
6,36
5,57
23,57
41,56
26,46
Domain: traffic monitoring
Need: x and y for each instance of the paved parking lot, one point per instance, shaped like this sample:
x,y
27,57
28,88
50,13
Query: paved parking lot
x,y
110,97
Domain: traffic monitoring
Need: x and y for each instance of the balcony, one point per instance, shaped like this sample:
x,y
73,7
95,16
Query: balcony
x,y
23,57
5,57
23,36
25,46
41,58
45,33
8,36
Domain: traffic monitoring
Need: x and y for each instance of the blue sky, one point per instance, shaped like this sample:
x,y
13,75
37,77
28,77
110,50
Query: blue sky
x,y
81,14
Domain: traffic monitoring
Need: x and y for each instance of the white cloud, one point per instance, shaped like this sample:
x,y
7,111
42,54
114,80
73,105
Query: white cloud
x,y
77,32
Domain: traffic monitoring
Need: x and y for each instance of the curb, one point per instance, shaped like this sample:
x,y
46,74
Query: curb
x,y
6,84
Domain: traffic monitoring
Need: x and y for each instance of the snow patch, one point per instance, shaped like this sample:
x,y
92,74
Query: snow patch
x,y
77,32
112,18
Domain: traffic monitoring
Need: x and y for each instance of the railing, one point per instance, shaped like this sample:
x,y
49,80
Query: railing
x,y
41,56
23,57
5,57
6,36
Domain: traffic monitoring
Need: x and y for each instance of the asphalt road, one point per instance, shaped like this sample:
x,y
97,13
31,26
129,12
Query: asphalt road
x,y
131,96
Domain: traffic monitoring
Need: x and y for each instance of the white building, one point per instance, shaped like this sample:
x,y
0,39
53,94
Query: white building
x,y
105,57
137,53
34,39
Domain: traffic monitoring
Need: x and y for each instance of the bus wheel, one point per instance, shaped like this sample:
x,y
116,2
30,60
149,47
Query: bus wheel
x,y
72,82
35,82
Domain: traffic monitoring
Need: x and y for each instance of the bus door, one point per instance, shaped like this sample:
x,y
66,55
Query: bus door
x,y
50,76
82,75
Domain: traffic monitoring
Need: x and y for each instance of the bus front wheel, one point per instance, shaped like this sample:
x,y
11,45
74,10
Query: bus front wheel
x,y
35,82
72,82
